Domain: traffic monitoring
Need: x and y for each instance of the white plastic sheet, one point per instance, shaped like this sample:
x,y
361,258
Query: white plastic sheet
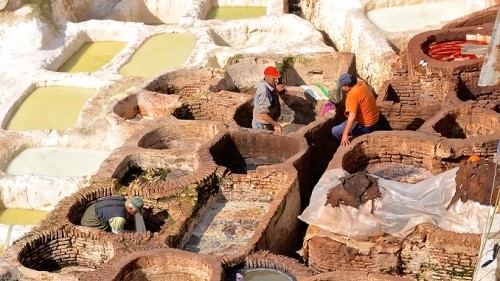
x,y
401,207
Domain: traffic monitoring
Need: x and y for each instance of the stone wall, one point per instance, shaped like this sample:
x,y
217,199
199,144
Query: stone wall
x,y
428,253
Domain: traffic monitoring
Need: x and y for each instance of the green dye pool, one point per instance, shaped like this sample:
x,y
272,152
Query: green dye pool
x,y
13,216
92,56
56,107
235,13
159,53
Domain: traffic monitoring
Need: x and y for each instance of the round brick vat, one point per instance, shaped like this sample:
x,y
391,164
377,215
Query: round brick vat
x,y
57,255
167,265
407,148
263,264
182,136
145,104
456,79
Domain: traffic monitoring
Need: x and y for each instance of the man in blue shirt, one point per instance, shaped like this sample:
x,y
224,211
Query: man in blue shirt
x,y
111,213
266,104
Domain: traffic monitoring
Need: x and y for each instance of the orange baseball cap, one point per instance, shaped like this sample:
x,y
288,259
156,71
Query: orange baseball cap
x,y
271,71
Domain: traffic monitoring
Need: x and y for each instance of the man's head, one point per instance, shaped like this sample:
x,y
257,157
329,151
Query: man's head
x,y
347,81
134,205
271,75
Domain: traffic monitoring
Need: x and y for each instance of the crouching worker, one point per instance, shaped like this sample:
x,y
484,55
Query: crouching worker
x,y
360,109
111,214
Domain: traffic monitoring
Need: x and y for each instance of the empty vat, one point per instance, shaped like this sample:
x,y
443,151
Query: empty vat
x,y
56,161
55,107
416,16
62,253
92,56
166,265
463,124
242,152
234,13
159,53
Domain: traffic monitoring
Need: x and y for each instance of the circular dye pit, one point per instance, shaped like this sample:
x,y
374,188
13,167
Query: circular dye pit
x,y
169,265
178,137
59,253
452,50
235,13
56,161
158,53
399,172
92,56
260,274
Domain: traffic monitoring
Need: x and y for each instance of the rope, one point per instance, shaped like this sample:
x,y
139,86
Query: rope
x,y
487,226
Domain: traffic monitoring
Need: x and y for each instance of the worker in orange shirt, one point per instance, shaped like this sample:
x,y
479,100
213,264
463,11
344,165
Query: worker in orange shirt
x,y
360,109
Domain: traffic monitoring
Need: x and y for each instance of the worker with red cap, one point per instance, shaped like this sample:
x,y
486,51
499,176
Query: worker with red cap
x,y
266,104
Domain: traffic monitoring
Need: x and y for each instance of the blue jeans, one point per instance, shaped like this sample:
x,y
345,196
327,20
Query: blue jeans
x,y
257,125
356,130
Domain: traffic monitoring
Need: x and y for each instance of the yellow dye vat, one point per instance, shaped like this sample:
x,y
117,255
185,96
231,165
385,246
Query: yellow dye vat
x,y
13,216
235,13
159,53
92,56
56,107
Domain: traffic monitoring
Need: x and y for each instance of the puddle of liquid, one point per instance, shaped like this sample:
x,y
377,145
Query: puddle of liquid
x,y
56,107
411,17
12,216
235,13
264,275
56,161
159,53
92,56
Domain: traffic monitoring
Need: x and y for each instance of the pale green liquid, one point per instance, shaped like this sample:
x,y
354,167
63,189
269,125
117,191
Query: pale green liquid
x,y
54,107
92,56
235,13
264,275
12,216
411,17
56,161
159,53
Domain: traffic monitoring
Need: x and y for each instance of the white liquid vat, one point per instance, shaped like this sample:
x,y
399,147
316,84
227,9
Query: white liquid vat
x,y
56,161
418,16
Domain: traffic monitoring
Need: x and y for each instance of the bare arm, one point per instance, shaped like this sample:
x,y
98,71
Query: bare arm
x,y
350,122
267,117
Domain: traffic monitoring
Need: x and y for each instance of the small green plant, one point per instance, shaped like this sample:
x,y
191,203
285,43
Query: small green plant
x,y
41,9
287,63
234,59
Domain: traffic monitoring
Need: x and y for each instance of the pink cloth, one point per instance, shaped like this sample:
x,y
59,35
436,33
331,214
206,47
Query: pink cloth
x,y
327,107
